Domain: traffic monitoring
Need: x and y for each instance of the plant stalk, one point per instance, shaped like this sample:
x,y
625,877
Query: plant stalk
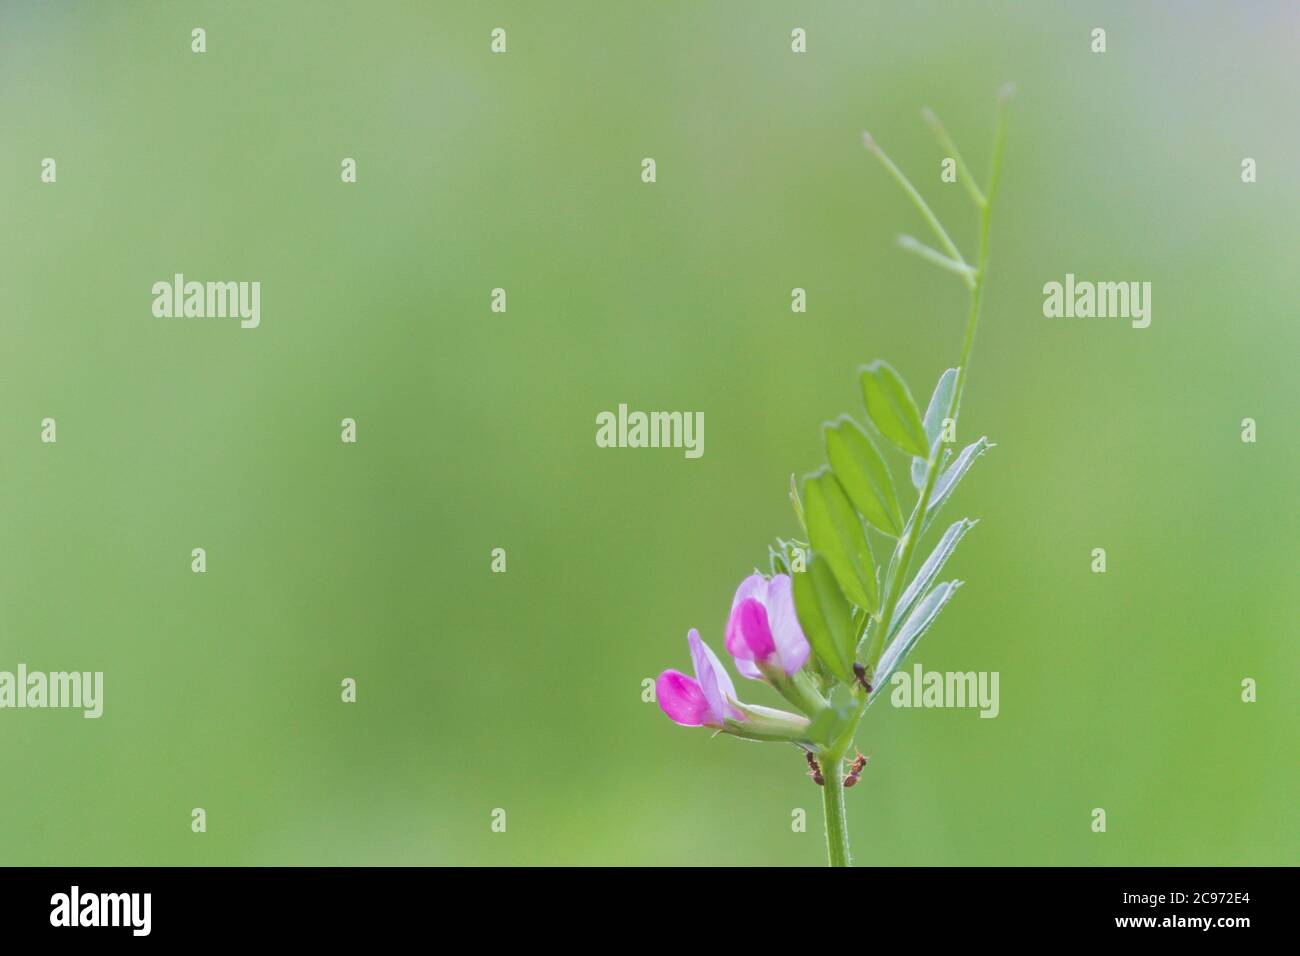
x,y
832,757
837,827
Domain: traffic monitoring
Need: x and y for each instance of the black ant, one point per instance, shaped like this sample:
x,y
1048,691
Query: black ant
x,y
860,673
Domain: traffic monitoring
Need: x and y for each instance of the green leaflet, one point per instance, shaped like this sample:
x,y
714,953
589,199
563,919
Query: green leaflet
x,y
930,570
935,413
891,407
863,475
951,476
825,617
916,625
835,533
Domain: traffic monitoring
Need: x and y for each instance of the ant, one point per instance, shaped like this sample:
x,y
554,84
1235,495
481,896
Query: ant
x,y
815,770
855,770
860,673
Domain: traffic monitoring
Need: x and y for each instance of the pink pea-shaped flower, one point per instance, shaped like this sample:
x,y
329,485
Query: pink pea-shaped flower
x,y
763,630
705,700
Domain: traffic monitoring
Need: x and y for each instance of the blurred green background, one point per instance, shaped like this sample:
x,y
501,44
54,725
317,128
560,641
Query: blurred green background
x,y
522,690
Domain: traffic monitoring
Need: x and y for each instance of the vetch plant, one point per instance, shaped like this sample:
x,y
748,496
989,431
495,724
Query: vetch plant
x,y
831,624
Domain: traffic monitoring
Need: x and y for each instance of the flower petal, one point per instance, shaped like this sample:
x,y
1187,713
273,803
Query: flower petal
x,y
713,678
754,629
681,698
724,679
725,684
791,645
754,586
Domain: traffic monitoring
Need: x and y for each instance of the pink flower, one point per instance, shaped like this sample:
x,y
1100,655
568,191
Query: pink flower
x,y
763,630
705,700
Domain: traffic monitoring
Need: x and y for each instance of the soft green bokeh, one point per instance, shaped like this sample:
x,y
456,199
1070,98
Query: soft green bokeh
x,y
522,690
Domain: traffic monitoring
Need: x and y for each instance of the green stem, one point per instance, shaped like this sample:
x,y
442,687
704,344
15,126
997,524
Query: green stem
x,y
837,829
800,691
912,534
977,291
837,840
967,178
